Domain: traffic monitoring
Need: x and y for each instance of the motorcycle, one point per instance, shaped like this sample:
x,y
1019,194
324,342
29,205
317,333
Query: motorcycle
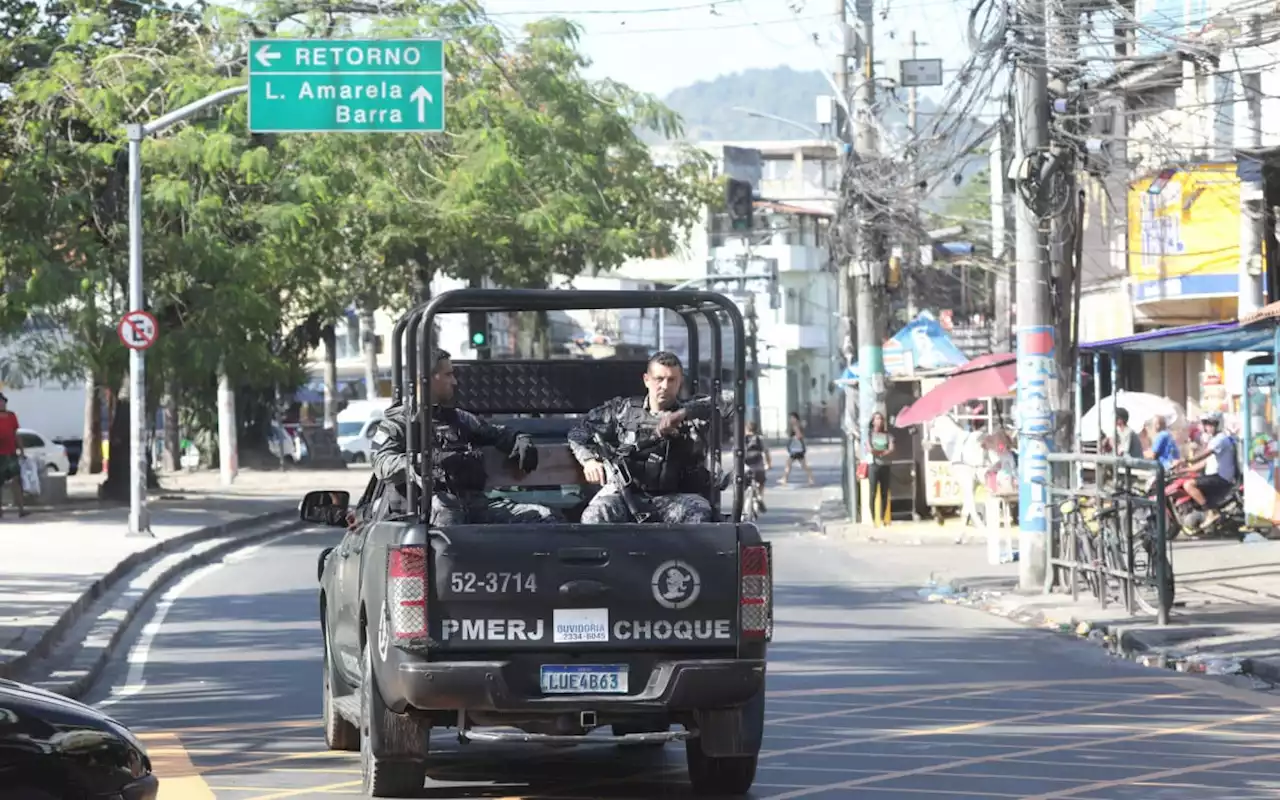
x,y
1186,515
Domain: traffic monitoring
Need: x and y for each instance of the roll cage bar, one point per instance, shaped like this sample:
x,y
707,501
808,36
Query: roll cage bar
x,y
413,343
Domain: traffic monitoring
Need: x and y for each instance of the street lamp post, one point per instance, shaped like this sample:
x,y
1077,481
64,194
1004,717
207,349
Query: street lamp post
x,y
139,518
751,112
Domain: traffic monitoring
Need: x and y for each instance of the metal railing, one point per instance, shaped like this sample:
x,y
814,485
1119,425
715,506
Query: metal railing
x,y
1112,534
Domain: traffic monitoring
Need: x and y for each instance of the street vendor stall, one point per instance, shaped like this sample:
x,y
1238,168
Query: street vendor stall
x,y
1260,428
921,351
977,395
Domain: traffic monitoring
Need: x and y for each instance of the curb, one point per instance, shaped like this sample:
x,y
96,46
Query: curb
x,y
1123,639
48,638
916,536
96,658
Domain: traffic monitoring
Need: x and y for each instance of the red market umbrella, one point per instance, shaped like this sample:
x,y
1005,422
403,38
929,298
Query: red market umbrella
x,y
986,376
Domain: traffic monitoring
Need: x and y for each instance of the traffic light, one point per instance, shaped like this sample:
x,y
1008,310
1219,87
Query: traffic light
x,y
478,323
738,199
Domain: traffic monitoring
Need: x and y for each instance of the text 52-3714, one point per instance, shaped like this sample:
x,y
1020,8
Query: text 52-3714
x,y
493,582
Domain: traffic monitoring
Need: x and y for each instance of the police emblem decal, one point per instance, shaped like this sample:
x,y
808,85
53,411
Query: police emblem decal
x,y
676,585
384,633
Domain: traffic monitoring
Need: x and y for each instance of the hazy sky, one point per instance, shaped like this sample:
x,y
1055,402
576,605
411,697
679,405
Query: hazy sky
x,y
659,45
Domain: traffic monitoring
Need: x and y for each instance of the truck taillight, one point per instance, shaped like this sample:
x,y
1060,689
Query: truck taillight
x,y
407,591
756,596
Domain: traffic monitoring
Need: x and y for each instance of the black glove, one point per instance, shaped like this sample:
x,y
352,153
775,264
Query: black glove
x,y
525,454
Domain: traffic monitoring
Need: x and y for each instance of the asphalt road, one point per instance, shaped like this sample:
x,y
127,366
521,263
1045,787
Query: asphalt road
x,y
872,694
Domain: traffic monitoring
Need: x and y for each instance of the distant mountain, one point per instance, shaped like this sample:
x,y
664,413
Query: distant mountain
x,y
708,111
707,107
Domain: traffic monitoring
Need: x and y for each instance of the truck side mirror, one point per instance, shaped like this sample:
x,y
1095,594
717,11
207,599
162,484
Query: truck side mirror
x,y
325,508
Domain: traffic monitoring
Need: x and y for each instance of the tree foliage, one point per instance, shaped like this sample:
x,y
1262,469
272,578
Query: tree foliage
x,y
253,243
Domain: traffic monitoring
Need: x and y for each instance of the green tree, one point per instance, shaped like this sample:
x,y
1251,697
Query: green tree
x,y
254,245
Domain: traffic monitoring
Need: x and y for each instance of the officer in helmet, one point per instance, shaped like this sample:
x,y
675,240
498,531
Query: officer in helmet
x,y
457,470
673,477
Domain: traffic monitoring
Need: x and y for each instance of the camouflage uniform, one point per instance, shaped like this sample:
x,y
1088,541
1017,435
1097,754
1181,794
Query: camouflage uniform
x,y
672,484
458,476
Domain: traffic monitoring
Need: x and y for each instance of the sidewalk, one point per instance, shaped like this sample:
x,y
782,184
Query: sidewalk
x,y
82,489
55,564
1225,620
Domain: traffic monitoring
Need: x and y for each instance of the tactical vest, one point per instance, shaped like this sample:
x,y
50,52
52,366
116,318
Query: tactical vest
x,y
657,470
457,464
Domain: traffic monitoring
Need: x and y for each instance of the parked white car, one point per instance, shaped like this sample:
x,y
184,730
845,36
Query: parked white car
x,y
51,455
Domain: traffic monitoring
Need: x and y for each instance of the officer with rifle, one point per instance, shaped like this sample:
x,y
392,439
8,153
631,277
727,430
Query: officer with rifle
x,y
457,470
664,461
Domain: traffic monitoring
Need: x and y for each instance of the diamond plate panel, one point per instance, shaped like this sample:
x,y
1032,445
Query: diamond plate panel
x,y
549,387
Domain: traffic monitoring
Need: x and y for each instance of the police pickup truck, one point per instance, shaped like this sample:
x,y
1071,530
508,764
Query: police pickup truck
x,y
545,633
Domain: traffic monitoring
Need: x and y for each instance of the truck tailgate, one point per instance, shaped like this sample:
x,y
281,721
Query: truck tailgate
x,y
585,588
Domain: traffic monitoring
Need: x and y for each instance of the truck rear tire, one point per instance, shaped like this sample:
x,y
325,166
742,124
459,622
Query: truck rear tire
x,y
719,775
384,777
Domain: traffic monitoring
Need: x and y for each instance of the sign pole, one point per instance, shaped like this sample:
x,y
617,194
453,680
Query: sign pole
x,y
139,518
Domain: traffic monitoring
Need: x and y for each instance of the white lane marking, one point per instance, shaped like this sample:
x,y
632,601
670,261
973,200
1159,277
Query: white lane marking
x,y
135,682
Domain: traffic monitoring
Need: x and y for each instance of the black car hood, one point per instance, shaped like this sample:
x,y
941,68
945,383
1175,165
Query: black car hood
x,y
22,697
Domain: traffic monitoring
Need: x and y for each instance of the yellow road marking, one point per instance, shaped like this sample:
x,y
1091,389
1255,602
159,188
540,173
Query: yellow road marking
x,y
899,704
968,762
179,778
1004,686
1155,776
257,726
947,730
936,731
309,790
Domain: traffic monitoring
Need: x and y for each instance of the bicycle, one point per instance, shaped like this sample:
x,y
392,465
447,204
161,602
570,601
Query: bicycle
x,y
1104,553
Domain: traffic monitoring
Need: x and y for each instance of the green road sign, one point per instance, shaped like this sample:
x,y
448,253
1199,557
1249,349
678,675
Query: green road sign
x,y
346,85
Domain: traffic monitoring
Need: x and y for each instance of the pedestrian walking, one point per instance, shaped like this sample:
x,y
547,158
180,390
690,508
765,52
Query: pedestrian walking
x,y
795,449
758,460
10,456
879,467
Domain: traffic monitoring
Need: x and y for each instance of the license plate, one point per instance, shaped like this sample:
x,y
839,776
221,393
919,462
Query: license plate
x,y
584,679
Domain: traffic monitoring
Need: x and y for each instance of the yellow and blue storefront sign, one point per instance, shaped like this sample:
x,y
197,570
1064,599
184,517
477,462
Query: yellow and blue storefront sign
x,y
1184,234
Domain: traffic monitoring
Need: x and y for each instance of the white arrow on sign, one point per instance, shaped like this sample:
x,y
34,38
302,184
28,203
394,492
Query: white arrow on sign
x,y
421,96
265,56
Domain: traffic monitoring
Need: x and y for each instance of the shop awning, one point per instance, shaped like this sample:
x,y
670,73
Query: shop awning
x,y
1212,337
986,376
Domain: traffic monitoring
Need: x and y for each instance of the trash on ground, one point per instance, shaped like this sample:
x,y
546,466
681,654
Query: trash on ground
x,y
1214,665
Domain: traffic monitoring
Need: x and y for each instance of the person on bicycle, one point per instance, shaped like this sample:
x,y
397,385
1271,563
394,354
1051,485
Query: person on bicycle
x,y
758,460
673,477
1220,467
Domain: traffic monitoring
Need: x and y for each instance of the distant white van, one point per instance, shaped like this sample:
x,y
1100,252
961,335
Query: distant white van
x,y
355,427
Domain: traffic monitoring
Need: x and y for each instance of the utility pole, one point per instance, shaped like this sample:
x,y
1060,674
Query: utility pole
x,y
868,265
913,152
847,288
1252,217
1037,370
1002,206
753,354
911,91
